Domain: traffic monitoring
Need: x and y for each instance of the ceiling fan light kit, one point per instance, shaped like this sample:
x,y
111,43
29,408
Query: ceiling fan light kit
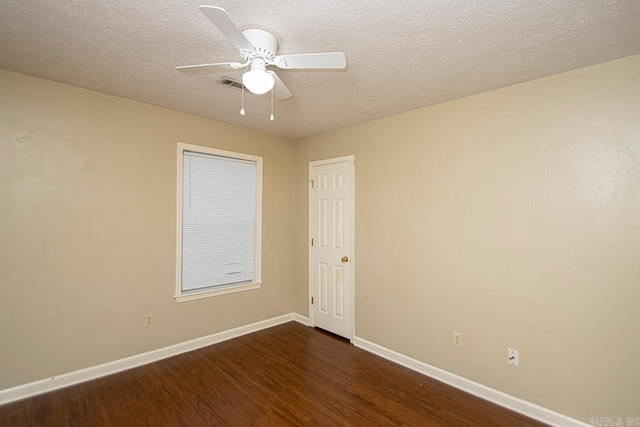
x,y
257,80
259,50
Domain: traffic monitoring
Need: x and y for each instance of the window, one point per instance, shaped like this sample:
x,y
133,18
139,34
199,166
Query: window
x,y
219,222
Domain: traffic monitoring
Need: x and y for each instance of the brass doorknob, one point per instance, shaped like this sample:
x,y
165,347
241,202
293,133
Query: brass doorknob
x,y
345,259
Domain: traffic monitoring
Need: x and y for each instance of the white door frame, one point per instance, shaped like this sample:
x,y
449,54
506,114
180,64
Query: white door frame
x,y
351,159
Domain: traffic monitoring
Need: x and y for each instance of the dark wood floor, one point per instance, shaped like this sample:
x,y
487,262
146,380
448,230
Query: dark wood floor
x,y
286,375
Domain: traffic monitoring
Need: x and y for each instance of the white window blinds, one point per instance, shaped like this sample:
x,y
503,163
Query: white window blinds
x,y
218,221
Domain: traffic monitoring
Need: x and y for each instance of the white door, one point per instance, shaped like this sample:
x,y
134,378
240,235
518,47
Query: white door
x,y
331,239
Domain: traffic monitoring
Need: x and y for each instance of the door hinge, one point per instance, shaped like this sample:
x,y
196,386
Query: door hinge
x,y
311,181
311,300
312,242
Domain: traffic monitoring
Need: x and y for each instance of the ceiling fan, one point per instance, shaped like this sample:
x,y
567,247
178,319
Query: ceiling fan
x,y
259,50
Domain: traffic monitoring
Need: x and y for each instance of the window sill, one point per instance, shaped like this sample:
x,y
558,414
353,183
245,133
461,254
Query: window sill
x,y
216,292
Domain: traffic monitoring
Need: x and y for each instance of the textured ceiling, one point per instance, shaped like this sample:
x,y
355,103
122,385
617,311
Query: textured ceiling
x,y
401,55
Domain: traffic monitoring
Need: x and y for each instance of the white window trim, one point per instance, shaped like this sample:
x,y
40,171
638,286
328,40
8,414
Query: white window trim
x,y
257,283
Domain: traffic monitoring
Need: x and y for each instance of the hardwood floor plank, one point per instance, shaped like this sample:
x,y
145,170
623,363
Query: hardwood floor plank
x,y
285,375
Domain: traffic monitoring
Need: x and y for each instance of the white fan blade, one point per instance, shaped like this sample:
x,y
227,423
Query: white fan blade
x,y
223,21
280,90
207,67
332,60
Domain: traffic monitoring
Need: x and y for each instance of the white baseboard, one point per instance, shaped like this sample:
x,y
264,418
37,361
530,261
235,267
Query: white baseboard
x,y
301,319
511,402
93,372
503,399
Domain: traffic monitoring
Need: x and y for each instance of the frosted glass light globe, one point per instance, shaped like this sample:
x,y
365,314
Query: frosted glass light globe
x,y
258,81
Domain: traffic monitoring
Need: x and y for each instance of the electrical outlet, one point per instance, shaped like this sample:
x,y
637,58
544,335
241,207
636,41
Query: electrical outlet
x,y
512,357
148,320
457,339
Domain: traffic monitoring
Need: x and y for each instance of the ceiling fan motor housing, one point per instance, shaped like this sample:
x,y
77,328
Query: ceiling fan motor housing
x,y
264,42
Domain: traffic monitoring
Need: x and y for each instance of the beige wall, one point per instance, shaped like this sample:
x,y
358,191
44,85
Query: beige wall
x,y
512,217
87,228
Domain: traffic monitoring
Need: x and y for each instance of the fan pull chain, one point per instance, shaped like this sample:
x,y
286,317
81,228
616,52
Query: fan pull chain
x,y
242,108
271,118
